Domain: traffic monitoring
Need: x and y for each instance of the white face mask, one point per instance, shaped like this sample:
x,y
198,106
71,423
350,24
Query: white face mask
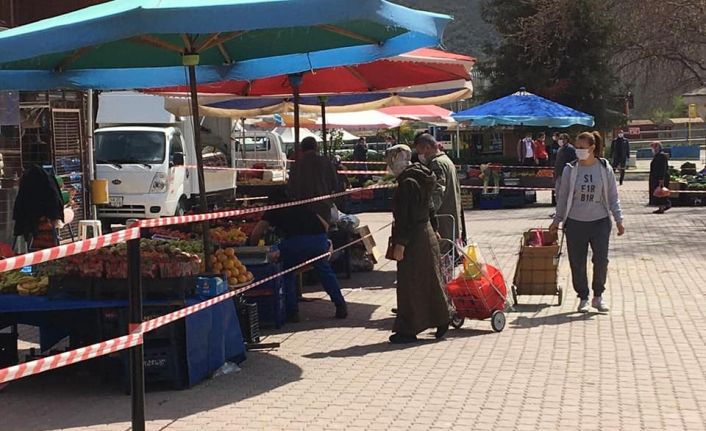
x,y
620,135
422,159
583,153
398,167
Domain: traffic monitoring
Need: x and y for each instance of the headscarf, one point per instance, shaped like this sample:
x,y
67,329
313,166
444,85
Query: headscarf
x,y
398,157
656,147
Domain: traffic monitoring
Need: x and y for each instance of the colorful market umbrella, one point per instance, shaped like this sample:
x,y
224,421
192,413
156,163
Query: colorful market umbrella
x,y
365,120
422,66
247,107
524,109
418,67
145,43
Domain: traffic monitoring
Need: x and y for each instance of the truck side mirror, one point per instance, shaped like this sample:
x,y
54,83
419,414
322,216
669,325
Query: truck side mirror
x,y
178,159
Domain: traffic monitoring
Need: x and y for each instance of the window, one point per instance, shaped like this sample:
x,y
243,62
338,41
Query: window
x,y
175,146
130,147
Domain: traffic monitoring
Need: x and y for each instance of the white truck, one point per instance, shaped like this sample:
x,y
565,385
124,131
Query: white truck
x,y
148,157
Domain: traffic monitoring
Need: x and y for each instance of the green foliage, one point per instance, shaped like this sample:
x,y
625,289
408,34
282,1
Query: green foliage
x,y
557,49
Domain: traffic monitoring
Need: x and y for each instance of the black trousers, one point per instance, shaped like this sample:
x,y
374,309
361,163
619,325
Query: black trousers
x,y
579,236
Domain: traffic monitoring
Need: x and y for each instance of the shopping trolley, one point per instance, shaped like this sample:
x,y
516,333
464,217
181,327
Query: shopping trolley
x,y
480,297
537,270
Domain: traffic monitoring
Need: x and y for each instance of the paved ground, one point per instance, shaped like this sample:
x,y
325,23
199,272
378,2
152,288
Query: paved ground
x,y
642,366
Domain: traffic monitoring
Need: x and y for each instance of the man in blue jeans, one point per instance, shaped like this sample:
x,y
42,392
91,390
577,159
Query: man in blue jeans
x,y
304,234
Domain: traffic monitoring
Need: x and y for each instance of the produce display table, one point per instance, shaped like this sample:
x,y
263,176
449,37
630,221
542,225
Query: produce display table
x,y
212,336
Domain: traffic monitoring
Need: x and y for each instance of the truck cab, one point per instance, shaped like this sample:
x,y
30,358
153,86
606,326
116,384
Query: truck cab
x,y
262,151
148,158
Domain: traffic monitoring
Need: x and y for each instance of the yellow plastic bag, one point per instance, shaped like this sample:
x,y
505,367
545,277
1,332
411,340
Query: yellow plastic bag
x,y
472,262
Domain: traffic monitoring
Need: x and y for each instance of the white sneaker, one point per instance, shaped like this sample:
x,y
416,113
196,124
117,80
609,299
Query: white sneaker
x,y
583,306
600,305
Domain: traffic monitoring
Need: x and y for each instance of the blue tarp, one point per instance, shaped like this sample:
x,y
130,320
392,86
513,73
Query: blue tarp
x,y
524,109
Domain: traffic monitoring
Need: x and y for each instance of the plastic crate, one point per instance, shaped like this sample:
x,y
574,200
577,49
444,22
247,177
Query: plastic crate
x,y
8,349
515,200
269,297
152,288
490,202
74,287
249,320
165,365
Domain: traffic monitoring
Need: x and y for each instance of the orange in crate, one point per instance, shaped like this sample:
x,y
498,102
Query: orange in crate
x,y
479,298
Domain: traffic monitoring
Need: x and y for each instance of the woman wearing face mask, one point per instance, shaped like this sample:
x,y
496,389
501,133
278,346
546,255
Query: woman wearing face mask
x,y
588,196
414,245
659,177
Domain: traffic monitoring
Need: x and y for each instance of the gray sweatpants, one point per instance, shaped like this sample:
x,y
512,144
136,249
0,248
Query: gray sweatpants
x,y
579,236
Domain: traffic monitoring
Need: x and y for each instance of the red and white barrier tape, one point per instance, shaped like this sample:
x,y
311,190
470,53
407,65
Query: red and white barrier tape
x,y
66,250
133,232
136,332
491,188
166,221
71,357
551,189
158,322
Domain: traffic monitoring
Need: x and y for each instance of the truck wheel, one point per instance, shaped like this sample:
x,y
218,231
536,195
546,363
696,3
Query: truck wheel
x,y
182,207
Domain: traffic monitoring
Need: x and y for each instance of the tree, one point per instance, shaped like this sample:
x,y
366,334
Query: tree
x,y
559,49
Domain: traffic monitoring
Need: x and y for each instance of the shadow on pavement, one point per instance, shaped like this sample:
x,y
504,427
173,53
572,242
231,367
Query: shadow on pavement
x,y
530,308
555,319
76,399
363,350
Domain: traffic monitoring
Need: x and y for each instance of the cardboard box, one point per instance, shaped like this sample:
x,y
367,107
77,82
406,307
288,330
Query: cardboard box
x,y
369,243
208,287
536,272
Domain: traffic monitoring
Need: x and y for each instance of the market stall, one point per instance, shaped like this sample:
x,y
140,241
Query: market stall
x,y
491,185
687,179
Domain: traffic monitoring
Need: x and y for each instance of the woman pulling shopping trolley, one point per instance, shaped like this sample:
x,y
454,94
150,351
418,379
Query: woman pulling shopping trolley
x,y
588,196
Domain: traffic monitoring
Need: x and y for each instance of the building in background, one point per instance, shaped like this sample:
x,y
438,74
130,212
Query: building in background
x,y
43,128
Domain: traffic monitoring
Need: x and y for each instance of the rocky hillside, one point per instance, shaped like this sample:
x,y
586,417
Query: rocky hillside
x,y
467,33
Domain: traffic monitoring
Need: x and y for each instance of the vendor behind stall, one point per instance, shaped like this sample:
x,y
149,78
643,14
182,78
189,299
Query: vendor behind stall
x,y
304,233
39,208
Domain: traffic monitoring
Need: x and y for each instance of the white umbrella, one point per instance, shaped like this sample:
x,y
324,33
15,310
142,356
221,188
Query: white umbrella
x,y
364,120
287,134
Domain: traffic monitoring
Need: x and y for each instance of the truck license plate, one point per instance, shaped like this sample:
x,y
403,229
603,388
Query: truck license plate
x,y
116,201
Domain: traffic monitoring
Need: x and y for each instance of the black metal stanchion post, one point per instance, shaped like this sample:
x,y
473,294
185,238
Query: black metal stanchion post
x,y
137,356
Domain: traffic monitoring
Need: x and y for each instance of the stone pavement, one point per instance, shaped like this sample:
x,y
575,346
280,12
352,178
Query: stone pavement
x,y
641,366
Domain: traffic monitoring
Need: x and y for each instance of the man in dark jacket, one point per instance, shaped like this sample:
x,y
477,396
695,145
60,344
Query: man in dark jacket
x,y
620,150
312,176
565,154
304,237
360,154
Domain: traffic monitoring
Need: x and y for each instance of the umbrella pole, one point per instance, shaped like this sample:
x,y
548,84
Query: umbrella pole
x,y
295,81
199,165
323,124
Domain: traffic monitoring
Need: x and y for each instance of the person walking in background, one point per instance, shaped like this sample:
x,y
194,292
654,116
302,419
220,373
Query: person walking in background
x,y
525,151
360,154
414,245
553,148
659,177
566,154
620,150
588,195
540,150
446,196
